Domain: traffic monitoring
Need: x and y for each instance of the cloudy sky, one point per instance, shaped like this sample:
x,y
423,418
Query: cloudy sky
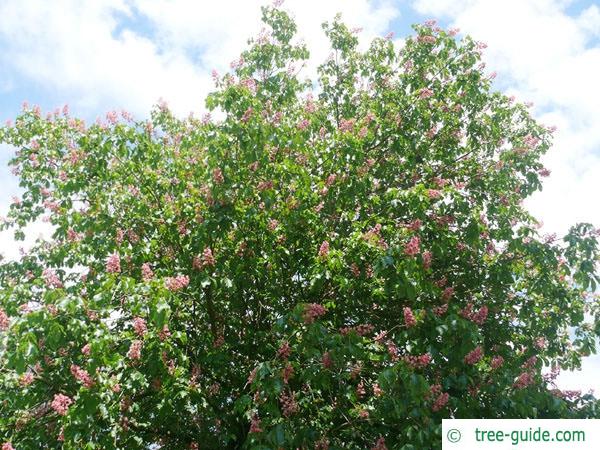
x,y
99,55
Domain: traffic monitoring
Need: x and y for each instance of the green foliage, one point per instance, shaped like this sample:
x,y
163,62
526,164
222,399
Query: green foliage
x,y
337,270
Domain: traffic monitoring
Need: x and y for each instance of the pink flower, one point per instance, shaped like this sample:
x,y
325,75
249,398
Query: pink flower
x,y
409,318
303,124
72,235
426,259
247,115
61,404
312,311
531,141
544,172
419,361
523,380
434,193
51,279
112,117
7,446
412,246
284,350
135,350
177,283
324,249
113,263
26,379
4,320
218,176
250,84
474,356
392,350
165,333
147,273
497,362
427,39
440,310
380,444
347,125
540,343
288,372
82,376
326,360
86,349
255,424
447,294
415,225
530,363
289,405
139,325
207,259
480,316
440,402
425,93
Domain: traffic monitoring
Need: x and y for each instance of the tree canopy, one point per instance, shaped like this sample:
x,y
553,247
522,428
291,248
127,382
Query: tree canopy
x,y
322,265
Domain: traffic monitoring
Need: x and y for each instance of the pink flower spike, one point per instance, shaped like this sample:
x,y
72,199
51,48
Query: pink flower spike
x,y
409,318
61,404
113,263
474,356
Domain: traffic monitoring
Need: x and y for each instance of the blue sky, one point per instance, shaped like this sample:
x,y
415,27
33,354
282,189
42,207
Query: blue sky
x,y
126,54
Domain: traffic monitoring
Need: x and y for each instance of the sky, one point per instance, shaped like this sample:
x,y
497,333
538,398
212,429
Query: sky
x,y
102,55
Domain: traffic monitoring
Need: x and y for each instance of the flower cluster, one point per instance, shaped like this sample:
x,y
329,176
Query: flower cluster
x,y
440,401
419,361
82,376
409,317
51,279
324,249
289,405
113,263
523,380
4,320
427,257
177,283
147,273
135,350
207,259
60,404
497,362
474,356
412,246
284,350
139,325
313,311
478,316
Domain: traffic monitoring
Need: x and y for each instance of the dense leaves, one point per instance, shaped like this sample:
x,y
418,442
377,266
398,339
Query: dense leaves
x,y
338,264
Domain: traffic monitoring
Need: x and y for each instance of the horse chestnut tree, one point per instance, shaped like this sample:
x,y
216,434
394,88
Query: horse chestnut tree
x,y
327,265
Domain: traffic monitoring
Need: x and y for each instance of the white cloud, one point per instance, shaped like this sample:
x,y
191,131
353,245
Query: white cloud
x,y
74,49
546,56
69,47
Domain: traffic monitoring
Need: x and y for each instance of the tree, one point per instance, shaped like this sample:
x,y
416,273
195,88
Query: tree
x,y
338,265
